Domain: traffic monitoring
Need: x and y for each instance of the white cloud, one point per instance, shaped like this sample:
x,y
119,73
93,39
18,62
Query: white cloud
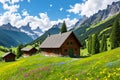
x,y
4,19
28,1
61,9
15,1
10,1
25,13
70,22
12,18
4,1
51,5
42,20
12,8
16,19
89,7
75,9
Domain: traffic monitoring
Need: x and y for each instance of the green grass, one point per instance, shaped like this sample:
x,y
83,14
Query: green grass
x,y
1,53
103,66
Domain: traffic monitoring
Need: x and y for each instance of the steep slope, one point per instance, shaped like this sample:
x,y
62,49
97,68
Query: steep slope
x,y
102,27
103,66
9,38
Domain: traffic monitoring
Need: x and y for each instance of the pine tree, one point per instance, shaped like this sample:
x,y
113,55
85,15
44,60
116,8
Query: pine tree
x,y
103,45
95,44
115,35
19,52
90,44
63,27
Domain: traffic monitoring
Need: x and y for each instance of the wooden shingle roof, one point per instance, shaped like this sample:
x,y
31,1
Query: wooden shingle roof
x,y
7,54
55,41
26,49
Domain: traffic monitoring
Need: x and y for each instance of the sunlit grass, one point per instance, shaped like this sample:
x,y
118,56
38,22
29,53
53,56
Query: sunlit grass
x,y
38,67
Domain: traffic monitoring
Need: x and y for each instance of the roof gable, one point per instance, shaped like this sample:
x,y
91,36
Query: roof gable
x,y
26,49
7,54
55,41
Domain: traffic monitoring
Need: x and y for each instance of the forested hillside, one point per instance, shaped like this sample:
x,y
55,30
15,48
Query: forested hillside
x,y
10,38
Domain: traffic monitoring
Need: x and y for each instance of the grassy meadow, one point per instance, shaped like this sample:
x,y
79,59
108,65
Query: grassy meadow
x,y
103,66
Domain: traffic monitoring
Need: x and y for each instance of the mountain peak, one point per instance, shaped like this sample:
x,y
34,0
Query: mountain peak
x,y
9,27
26,27
57,25
28,24
38,30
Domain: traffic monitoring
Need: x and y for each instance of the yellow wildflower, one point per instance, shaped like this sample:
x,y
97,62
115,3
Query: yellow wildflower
x,y
109,75
76,78
118,69
65,79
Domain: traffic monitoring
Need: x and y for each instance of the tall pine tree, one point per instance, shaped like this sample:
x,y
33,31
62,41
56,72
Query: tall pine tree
x,y
90,44
95,44
19,52
63,27
103,45
115,35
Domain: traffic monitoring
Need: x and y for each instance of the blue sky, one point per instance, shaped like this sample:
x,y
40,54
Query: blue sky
x,y
52,7
46,13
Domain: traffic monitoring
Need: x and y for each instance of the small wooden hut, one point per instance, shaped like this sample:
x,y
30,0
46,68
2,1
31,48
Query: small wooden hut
x,y
28,51
8,57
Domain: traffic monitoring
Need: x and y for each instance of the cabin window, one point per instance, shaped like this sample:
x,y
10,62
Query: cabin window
x,y
65,50
71,43
54,51
67,43
76,49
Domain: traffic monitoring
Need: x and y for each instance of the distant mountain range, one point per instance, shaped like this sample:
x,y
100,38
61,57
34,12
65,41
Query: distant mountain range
x,y
10,38
9,27
26,29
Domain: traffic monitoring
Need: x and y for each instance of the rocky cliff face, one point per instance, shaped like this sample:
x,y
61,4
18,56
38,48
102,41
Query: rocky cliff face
x,y
32,33
114,8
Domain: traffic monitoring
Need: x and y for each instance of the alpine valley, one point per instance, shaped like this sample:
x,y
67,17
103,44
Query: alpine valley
x,y
89,50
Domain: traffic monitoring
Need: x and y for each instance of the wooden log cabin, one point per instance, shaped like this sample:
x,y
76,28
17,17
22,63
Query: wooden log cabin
x,y
8,57
61,44
28,51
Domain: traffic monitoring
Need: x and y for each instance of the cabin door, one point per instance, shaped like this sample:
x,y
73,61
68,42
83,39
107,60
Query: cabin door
x,y
71,53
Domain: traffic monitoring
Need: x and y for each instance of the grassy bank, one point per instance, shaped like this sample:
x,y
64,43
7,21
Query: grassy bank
x,y
38,67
